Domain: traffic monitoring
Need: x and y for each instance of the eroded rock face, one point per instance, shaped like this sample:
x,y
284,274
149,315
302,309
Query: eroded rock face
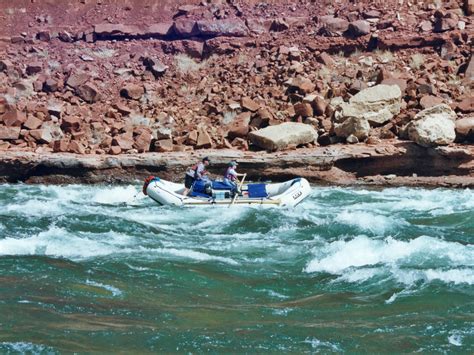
x,y
433,126
279,137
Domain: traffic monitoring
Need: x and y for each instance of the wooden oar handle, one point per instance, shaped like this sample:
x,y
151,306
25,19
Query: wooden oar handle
x,y
237,193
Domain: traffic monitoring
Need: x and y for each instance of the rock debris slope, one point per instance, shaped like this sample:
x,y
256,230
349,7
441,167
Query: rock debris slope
x,y
125,77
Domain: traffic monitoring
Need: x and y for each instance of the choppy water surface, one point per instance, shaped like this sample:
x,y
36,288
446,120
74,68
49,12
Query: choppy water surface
x,y
92,268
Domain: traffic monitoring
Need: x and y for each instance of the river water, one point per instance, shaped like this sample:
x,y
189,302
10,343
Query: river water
x,y
91,268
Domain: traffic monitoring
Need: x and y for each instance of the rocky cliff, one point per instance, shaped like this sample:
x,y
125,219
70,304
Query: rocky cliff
x,y
130,77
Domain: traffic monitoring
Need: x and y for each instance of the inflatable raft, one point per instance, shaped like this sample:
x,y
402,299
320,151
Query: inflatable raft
x,y
285,194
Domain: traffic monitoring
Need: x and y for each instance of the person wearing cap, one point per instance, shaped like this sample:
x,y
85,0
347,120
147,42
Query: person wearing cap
x,y
197,172
231,175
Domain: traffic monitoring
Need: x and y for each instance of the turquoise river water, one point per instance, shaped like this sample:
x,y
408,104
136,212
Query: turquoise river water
x,y
93,269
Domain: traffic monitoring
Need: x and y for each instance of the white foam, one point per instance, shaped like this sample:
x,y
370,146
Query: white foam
x,y
114,290
455,339
398,294
366,221
137,268
455,276
274,294
318,344
60,243
281,311
117,195
25,347
360,251
436,201
36,207
191,254
59,200
358,275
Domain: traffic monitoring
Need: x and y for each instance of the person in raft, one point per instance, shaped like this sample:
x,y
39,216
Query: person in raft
x,y
231,175
197,172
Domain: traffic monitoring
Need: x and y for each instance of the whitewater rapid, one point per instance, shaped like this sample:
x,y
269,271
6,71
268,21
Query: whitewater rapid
x,y
356,235
347,269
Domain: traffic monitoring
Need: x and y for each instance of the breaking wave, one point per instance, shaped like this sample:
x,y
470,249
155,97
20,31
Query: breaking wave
x,y
355,235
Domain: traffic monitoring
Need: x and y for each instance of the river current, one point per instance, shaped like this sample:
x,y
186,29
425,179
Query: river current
x,y
94,268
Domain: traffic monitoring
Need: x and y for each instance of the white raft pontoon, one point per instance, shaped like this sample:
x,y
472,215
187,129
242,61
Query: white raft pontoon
x,y
285,194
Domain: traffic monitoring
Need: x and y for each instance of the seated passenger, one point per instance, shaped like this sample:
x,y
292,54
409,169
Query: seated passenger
x,y
231,176
197,172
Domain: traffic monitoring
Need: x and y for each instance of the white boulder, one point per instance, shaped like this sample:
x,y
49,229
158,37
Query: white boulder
x,y
377,104
357,127
433,126
281,136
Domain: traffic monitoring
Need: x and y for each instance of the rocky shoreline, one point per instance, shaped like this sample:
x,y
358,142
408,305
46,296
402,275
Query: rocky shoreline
x,y
394,163
341,93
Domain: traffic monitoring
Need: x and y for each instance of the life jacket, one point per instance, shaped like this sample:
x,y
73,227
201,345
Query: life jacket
x,y
194,171
228,175
146,183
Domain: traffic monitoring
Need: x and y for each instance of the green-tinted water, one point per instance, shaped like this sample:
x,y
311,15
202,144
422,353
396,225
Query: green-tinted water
x,y
91,269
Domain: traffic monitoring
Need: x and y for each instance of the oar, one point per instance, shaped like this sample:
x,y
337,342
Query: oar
x,y
239,189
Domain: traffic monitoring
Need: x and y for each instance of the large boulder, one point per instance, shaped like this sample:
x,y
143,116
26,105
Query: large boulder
x,y
353,126
204,140
279,25
240,126
8,133
13,118
377,104
155,66
132,91
359,28
465,129
88,92
34,68
186,28
433,126
303,85
143,142
333,26
281,136
48,133
76,79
